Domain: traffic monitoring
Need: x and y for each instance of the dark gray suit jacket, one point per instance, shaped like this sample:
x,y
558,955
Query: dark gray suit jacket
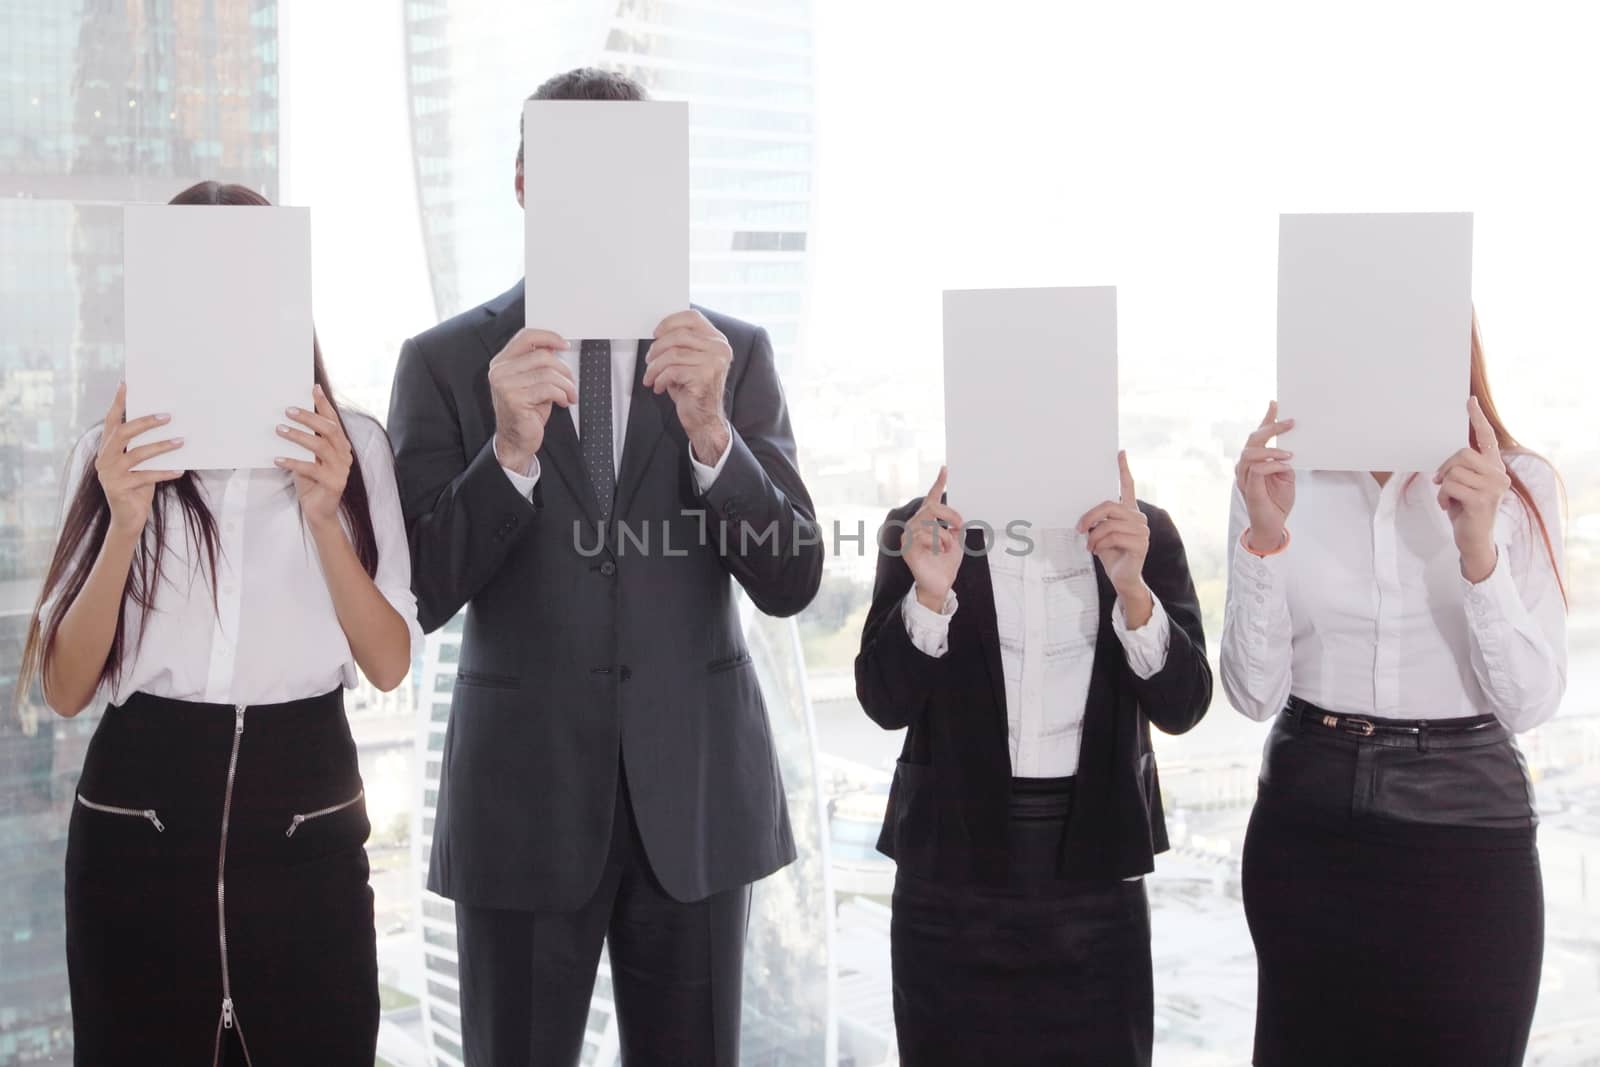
x,y
575,656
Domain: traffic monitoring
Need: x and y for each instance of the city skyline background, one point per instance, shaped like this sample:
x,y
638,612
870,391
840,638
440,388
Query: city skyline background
x,y
1012,144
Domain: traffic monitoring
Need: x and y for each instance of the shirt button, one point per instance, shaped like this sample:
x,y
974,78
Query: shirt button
x,y
608,568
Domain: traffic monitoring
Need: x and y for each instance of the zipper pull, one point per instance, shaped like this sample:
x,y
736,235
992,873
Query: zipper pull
x,y
294,824
227,1013
238,718
155,821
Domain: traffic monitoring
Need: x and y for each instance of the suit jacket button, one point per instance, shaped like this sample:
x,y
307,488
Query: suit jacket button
x,y
626,673
608,568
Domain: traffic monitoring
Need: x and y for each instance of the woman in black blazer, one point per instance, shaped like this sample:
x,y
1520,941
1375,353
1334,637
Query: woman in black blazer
x,y
1026,806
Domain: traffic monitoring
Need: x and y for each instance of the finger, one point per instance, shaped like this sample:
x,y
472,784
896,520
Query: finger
x,y
320,447
135,456
1253,454
117,411
684,338
936,491
528,338
1101,512
687,318
1488,442
324,425
1267,468
120,435
1267,432
669,378
1465,481
543,394
304,468
1117,529
933,512
673,357
1128,499
523,378
1272,414
1099,541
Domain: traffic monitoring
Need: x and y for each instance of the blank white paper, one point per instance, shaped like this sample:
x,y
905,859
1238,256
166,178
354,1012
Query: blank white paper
x,y
1030,409
1374,338
606,199
218,329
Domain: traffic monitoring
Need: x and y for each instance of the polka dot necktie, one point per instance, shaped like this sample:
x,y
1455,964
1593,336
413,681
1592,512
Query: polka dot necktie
x,y
594,398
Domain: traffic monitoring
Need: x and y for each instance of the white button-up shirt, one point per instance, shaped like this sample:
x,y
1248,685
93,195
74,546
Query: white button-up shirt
x,y
1366,612
624,361
1047,615
273,634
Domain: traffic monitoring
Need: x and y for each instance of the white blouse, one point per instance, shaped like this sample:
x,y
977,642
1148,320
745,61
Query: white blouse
x,y
1047,615
1366,612
273,634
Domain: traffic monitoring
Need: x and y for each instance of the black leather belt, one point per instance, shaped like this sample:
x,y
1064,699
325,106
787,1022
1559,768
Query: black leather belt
x,y
1309,714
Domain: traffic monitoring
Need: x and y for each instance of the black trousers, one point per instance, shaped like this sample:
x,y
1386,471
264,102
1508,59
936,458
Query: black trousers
x,y
217,902
1393,892
1042,971
677,970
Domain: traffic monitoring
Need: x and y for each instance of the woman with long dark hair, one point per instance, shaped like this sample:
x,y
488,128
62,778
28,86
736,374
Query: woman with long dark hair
x,y
1411,624
216,885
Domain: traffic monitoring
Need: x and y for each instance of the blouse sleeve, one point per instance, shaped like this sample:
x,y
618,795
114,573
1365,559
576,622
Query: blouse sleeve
x,y
1517,617
393,578
1257,630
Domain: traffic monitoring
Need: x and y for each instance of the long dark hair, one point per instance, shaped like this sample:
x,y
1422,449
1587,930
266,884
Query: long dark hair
x,y
88,516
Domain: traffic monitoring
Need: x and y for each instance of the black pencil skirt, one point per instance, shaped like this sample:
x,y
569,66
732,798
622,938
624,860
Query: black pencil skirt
x,y
1393,892
1042,971
217,902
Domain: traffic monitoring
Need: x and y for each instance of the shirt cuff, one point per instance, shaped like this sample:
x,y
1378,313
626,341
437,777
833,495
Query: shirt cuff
x,y
1146,647
1493,600
928,630
523,482
704,476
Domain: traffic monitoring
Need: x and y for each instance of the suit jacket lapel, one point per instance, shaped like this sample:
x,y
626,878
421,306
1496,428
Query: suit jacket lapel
x,y
560,448
975,592
648,415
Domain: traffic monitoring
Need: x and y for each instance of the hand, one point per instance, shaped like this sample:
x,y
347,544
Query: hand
x,y
932,546
130,493
1267,481
1471,484
1119,536
689,360
526,378
319,482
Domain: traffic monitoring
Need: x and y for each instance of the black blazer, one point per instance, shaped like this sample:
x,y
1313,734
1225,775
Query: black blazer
x,y
573,657
948,805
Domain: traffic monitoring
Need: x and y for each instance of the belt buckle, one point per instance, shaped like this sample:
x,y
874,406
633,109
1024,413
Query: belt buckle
x,y
1359,727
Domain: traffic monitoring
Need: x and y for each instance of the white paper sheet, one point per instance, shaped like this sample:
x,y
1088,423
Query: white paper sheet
x,y
218,334
1374,338
606,199
1030,411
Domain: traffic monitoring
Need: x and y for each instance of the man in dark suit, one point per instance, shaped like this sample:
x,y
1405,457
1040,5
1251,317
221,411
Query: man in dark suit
x,y
608,768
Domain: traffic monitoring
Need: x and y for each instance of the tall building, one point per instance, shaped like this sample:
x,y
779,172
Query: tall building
x,y
745,67
102,103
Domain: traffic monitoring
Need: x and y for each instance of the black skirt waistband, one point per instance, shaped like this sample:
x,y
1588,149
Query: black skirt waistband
x,y
1463,732
1042,798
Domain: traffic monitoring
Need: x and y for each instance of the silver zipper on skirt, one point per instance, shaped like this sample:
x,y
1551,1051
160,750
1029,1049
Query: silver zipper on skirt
x,y
227,1021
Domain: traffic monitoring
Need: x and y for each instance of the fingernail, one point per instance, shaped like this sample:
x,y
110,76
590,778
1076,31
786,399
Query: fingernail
x,y
278,462
163,418
294,411
177,440
283,429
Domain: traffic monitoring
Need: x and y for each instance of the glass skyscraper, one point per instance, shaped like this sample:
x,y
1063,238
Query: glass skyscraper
x,y
103,102
746,70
